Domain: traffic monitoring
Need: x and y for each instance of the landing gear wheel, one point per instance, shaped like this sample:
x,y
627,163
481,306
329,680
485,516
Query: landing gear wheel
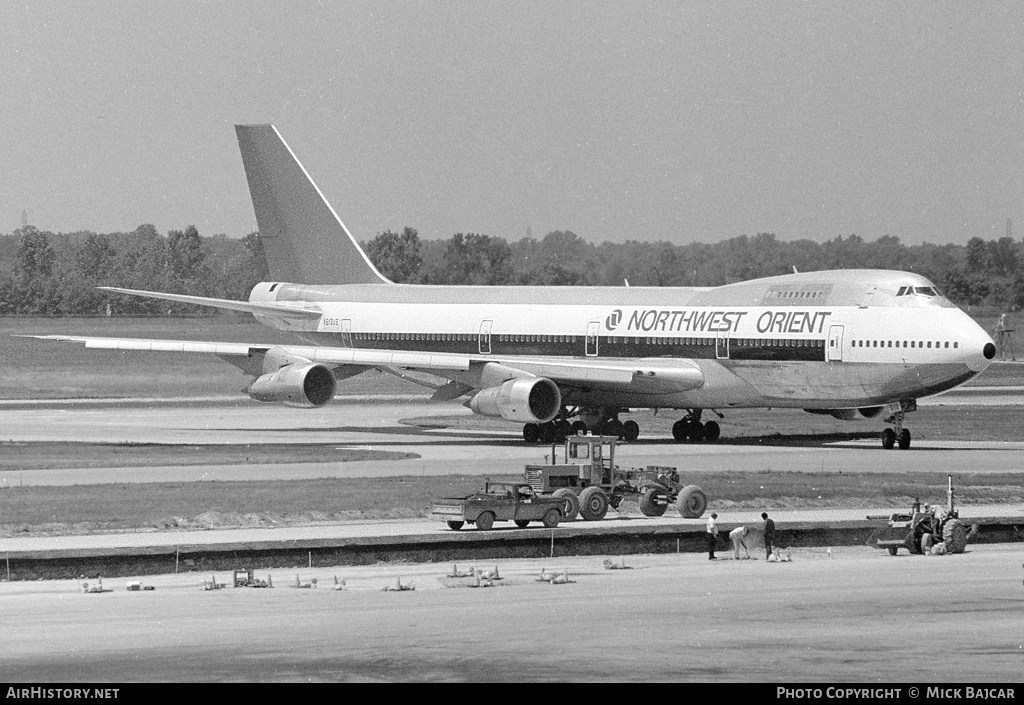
x,y
455,525
564,428
552,517
572,503
578,428
593,504
548,433
613,428
485,521
712,432
692,502
679,430
695,433
904,439
531,433
954,533
653,502
888,439
630,431
522,523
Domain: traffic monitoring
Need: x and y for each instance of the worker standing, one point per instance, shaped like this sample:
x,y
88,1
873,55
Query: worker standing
x,y
738,536
711,535
769,534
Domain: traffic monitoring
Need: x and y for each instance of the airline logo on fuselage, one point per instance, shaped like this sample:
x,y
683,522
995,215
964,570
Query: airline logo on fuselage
x,y
716,321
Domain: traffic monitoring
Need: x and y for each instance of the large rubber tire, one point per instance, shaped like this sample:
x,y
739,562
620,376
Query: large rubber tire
x,y
455,525
692,502
613,428
679,429
593,504
904,439
954,534
531,432
548,433
926,544
888,439
552,517
522,523
712,432
630,431
695,432
485,521
572,503
649,506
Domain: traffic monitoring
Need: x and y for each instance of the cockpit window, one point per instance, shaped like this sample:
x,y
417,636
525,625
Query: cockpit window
x,y
922,290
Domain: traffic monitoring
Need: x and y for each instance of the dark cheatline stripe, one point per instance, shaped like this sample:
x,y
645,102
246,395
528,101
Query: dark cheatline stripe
x,y
574,346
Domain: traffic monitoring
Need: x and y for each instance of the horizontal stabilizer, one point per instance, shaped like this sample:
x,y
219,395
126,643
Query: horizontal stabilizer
x,y
277,310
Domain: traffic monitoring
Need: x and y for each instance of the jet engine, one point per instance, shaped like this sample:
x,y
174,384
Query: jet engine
x,y
867,412
302,384
528,400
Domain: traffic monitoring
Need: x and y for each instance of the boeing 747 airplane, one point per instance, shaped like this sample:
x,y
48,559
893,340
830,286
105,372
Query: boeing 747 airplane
x,y
850,343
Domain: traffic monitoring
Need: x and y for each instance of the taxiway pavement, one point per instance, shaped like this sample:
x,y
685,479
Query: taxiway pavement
x,y
380,425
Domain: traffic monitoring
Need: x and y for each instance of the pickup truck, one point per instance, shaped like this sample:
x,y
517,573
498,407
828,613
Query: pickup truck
x,y
500,501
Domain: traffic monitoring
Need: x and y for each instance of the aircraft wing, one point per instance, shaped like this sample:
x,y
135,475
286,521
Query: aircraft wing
x,y
645,375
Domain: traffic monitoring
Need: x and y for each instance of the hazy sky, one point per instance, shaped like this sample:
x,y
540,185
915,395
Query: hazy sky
x,y
682,121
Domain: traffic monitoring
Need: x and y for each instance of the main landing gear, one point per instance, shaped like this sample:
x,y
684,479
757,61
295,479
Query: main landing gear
x,y
689,429
553,431
897,435
599,422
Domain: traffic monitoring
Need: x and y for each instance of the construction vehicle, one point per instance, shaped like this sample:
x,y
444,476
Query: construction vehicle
x,y
589,481
500,501
919,530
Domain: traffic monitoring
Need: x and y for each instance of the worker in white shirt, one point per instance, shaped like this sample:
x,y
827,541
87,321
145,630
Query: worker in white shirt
x,y
711,535
738,536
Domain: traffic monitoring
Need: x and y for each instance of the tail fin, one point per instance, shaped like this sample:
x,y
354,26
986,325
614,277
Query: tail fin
x,y
304,239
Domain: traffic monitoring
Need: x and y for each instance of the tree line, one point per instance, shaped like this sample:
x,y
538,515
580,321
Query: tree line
x,y
43,273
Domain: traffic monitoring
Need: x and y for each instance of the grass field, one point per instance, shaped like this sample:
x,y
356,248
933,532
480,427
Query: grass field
x,y
32,369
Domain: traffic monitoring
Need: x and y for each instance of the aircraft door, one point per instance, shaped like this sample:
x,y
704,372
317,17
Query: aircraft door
x,y
346,332
722,345
593,328
835,344
485,337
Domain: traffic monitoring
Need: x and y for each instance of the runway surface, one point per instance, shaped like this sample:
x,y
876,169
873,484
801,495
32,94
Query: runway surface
x,y
859,616
383,424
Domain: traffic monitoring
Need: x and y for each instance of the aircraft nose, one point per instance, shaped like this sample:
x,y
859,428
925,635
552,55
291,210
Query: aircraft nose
x,y
980,351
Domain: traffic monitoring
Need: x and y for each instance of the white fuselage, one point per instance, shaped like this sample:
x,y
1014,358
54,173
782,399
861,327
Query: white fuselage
x,y
823,340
